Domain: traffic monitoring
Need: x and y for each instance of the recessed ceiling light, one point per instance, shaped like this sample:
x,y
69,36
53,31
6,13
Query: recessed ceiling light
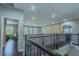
x,y
33,8
65,19
53,15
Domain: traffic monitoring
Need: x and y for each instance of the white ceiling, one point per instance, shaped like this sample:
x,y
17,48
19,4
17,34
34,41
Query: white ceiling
x,y
43,12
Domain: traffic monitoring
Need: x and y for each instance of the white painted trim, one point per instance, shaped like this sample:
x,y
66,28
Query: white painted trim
x,y
2,33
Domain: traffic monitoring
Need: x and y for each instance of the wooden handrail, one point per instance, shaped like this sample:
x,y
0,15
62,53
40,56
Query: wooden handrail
x,y
54,33
47,35
44,49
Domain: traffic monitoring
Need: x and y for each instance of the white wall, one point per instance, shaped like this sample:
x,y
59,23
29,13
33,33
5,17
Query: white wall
x,y
13,14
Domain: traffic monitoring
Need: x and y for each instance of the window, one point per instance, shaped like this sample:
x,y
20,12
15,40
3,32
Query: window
x,y
30,30
9,29
67,29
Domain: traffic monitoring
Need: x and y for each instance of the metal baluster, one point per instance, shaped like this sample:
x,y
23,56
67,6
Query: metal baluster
x,y
27,48
40,52
44,54
42,40
37,51
34,50
30,48
54,41
25,45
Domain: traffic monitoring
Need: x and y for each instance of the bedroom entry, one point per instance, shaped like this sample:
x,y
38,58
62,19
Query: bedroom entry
x,y
68,33
10,32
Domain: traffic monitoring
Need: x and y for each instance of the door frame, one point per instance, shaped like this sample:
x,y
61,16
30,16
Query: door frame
x,y
2,33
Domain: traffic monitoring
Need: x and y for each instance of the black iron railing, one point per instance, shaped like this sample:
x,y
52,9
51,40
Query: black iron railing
x,y
35,49
42,44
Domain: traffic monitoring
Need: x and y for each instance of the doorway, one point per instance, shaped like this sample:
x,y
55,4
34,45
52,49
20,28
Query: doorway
x,y
67,29
10,30
68,33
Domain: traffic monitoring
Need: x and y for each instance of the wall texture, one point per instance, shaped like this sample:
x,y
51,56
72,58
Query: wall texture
x,y
51,29
58,28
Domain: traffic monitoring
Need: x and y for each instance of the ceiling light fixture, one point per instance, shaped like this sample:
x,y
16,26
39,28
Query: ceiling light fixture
x,y
65,19
33,8
53,15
